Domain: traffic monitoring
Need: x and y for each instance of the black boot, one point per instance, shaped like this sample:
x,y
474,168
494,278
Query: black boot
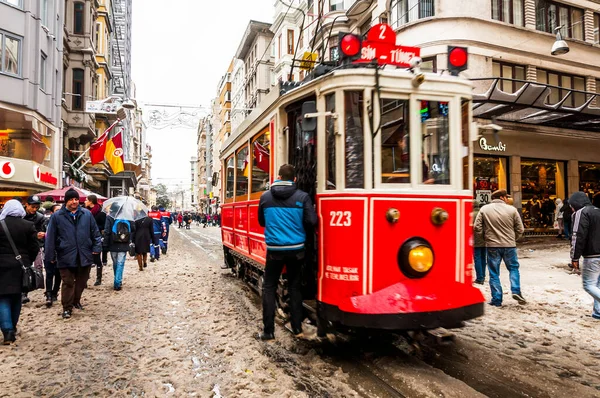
x,y
24,298
48,299
98,276
9,337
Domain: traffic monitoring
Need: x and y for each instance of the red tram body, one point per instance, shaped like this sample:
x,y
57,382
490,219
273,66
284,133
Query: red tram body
x,y
389,169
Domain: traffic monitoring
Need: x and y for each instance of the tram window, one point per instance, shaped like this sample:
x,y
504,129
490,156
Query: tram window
x,y
330,132
229,183
355,146
436,142
465,130
261,155
395,141
241,176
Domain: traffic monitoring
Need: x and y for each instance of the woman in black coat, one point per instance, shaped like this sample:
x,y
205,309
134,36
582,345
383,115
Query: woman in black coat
x,y
24,236
144,231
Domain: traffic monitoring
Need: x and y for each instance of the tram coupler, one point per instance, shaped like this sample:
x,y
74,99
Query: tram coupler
x,y
442,336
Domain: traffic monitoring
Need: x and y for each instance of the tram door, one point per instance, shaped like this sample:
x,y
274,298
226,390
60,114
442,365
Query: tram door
x,y
302,154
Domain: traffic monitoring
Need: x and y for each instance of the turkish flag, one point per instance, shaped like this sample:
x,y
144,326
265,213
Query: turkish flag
x,y
261,157
98,148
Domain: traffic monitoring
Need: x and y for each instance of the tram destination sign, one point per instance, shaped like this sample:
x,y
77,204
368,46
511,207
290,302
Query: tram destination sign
x,y
380,45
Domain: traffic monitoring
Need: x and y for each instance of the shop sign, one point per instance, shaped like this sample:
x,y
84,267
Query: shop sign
x,y
26,171
7,169
49,178
498,148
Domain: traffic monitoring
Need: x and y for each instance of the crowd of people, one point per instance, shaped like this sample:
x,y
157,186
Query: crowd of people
x,y
498,226
185,219
68,240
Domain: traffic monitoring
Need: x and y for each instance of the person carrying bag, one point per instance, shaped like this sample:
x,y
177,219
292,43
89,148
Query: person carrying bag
x,y
18,249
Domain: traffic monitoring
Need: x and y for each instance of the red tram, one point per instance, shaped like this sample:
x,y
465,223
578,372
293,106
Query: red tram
x,y
386,157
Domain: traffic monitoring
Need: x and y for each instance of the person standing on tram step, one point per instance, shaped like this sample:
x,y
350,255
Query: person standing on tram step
x,y
586,229
72,239
500,225
283,211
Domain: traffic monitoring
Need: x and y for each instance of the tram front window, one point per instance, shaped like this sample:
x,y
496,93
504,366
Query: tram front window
x,y
436,142
395,142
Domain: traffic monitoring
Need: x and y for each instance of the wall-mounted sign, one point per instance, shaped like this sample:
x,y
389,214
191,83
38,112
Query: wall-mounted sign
x,y
102,107
7,169
37,174
500,147
27,172
49,178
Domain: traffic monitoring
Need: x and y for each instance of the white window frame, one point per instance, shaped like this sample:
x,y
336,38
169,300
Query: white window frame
x,y
4,36
19,3
403,12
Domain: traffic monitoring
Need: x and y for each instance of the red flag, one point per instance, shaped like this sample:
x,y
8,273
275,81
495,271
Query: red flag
x,y
98,148
261,157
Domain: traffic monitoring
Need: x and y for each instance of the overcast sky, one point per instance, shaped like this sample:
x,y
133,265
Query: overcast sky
x,y
180,50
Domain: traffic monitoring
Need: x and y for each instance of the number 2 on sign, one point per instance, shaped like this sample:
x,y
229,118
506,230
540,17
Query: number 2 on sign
x,y
340,218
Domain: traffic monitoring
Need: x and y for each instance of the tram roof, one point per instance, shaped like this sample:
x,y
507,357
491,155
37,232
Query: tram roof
x,y
398,81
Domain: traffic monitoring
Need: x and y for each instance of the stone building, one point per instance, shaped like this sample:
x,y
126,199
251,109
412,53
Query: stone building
x,y
31,44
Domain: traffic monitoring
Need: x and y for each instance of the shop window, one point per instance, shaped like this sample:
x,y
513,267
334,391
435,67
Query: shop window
x,y
489,174
542,181
436,142
355,148
261,161
229,172
509,11
509,71
589,178
550,15
27,145
405,11
330,129
242,162
395,141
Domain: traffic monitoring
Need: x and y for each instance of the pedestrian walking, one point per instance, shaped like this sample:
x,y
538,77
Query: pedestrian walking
x,y
73,237
118,235
480,252
180,219
284,210
165,218
159,232
24,236
567,212
32,214
558,218
144,231
52,273
100,259
500,226
585,243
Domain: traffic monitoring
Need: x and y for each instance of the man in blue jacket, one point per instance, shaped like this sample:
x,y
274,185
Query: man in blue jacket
x,y
284,211
74,236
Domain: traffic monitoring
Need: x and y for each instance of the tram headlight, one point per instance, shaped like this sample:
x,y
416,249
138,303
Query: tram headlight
x,y
415,258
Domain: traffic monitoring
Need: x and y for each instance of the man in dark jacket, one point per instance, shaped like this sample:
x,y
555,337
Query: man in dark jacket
x,y
33,215
91,203
74,236
586,231
284,211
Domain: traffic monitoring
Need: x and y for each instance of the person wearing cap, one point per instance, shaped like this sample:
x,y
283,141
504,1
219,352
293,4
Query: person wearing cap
x,y
33,215
72,240
500,226
48,203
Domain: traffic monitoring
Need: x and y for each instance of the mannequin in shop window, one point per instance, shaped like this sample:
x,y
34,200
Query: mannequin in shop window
x,y
535,210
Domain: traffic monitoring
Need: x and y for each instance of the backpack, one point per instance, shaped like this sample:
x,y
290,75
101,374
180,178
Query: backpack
x,y
121,231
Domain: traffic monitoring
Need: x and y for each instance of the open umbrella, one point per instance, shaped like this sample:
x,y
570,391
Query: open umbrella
x,y
125,208
59,194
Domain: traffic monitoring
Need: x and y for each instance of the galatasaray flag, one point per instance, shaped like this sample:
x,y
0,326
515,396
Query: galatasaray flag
x,y
114,153
98,148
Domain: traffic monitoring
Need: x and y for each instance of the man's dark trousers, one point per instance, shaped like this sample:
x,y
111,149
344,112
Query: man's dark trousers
x,y
52,278
73,284
276,260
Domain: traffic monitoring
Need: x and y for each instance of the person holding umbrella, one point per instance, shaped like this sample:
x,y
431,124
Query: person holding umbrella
x,y
119,230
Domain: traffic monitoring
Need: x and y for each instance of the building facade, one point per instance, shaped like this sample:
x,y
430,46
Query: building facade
x,y
31,46
238,94
202,173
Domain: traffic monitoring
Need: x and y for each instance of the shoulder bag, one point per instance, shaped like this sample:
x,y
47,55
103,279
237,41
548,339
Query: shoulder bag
x,y
29,273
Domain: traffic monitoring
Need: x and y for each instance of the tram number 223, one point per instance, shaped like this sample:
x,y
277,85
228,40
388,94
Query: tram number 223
x,y
340,218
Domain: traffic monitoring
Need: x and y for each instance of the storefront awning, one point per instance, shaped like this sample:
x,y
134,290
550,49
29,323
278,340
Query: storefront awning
x,y
530,104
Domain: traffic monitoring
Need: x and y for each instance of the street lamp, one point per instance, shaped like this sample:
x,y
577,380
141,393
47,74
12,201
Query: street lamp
x,y
560,46
128,104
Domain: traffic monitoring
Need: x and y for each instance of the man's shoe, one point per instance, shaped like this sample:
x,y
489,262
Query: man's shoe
x,y
54,298
479,282
10,337
66,314
98,282
24,298
163,251
266,336
152,259
48,300
145,265
78,306
495,304
117,288
519,298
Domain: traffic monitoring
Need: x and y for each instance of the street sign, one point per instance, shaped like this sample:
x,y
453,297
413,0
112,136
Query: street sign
x,y
308,60
380,45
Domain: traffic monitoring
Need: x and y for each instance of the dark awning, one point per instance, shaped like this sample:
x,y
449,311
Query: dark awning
x,y
530,105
